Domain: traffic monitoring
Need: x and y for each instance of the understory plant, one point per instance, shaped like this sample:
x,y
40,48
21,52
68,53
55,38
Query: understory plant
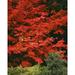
x,y
54,66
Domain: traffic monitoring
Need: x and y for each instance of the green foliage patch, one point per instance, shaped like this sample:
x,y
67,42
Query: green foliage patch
x,y
54,66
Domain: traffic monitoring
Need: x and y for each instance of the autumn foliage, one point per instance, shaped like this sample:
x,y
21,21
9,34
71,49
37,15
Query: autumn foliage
x,y
36,28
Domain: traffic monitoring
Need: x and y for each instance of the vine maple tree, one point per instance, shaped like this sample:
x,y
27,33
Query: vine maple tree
x,y
35,28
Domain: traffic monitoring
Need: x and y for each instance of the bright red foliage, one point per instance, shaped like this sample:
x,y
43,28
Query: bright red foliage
x,y
33,34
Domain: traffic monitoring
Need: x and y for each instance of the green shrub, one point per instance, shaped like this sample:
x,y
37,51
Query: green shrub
x,y
55,66
35,70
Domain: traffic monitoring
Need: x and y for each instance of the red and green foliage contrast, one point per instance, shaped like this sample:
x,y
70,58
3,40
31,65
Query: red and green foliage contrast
x,y
36,28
